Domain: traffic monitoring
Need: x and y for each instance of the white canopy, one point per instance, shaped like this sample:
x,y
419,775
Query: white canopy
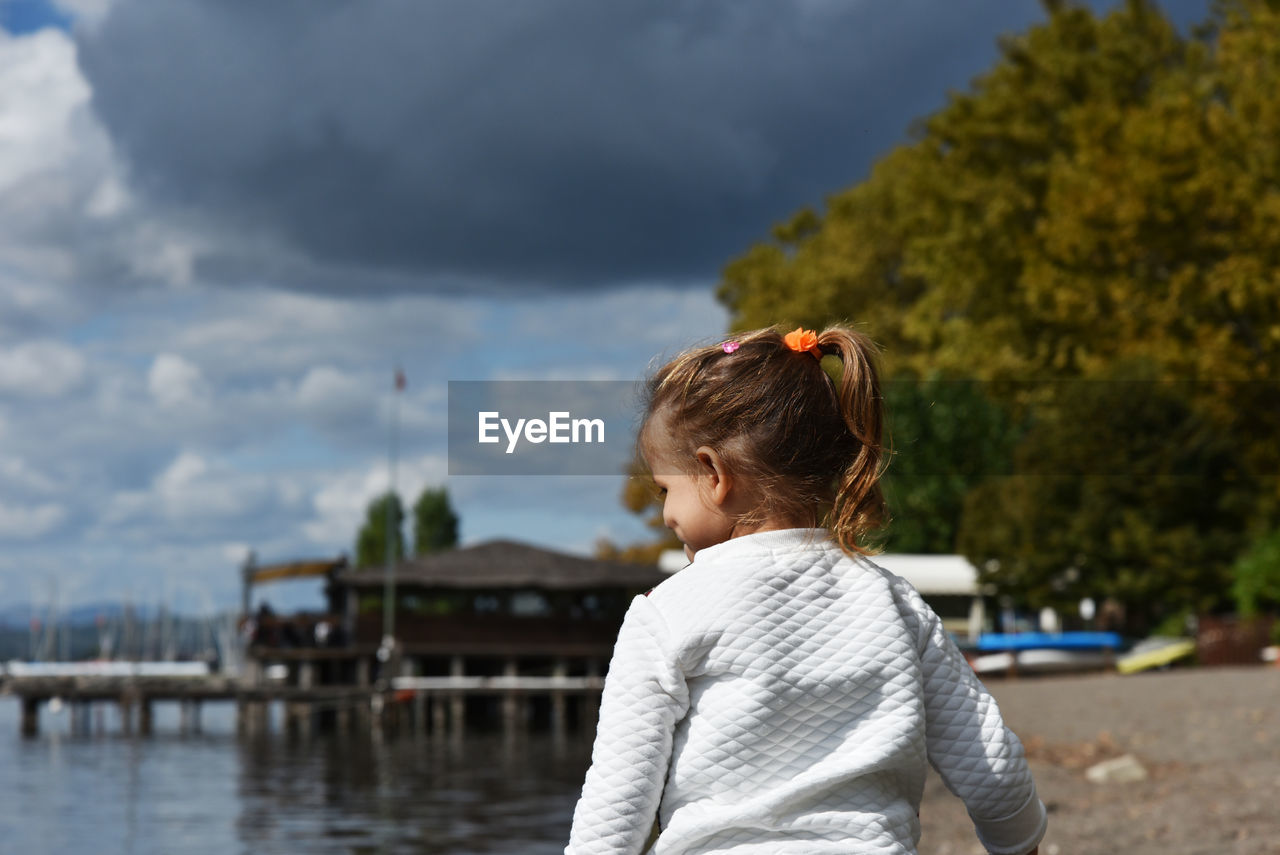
x,y
930,574
934,574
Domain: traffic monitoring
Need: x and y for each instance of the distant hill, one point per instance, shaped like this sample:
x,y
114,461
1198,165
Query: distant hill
x,y
19,615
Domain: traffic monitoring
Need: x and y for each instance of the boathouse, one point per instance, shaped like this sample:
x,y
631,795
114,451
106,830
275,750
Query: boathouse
x,y
497,630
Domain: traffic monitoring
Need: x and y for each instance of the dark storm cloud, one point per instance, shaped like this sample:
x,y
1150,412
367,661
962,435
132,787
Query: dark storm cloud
x,y
564,142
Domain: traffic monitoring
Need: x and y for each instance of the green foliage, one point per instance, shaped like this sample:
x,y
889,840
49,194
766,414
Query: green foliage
x,y
435,525
946,438
1102,205
1148,505
371,541
1256,584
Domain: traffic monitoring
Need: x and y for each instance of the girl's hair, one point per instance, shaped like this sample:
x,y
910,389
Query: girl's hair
x,y
808,443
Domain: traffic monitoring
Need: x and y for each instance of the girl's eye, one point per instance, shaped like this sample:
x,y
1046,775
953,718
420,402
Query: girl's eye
x,y
660,492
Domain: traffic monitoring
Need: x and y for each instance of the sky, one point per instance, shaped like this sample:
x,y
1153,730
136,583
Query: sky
x,y
223,225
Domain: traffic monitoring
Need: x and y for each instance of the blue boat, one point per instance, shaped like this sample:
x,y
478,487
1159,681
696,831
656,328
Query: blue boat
x,y
1049,641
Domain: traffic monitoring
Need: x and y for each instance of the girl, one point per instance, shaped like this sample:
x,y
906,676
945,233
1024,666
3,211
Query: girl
x,y
783,694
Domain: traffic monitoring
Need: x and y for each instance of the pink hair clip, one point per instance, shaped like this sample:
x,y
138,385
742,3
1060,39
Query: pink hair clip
x,y
730,346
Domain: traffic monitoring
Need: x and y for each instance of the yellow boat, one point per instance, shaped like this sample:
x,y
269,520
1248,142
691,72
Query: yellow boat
x,y
1165,652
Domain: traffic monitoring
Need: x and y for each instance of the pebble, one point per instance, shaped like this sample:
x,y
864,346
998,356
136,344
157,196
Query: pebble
x,y
1121,770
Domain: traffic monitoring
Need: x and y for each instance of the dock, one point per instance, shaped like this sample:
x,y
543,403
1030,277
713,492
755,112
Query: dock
x,y
425,705
500,635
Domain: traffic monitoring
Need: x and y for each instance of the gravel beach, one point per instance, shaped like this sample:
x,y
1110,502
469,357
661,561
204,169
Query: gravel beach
x,y
1208,738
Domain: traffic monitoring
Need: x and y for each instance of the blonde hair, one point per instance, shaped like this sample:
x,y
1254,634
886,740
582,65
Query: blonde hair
x,y
808,443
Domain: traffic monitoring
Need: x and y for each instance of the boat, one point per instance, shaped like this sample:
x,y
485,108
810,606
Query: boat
x,y
1041,661
100,668
1044,652
992,641
1156,652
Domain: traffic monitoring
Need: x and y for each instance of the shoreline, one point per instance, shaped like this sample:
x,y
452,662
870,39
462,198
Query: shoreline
x,y
1209,739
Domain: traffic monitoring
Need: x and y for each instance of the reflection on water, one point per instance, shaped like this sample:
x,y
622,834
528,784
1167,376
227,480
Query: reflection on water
x,y
483,794
211,792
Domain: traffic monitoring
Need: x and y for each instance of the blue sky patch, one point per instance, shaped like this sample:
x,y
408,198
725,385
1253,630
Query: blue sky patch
x,y
21,17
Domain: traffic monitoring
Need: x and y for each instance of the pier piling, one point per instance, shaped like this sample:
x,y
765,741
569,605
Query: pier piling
x,y
30,716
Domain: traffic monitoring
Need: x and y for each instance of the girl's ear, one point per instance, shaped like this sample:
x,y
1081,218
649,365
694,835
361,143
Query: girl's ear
x,y
711,466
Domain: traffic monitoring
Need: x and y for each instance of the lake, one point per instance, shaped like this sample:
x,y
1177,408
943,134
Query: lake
x,y
212,792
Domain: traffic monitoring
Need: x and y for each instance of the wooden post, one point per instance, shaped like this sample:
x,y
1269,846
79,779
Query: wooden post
x,y
437,715
144,716
376,710
510,703
559,671
297,718
457,702
251,717
419,713
30,716
306,675
126,713
591,703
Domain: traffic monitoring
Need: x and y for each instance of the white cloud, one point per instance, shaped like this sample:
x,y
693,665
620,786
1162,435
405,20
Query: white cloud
x,y
207,498
19,522
68,217
341,503
236,552
175,382
29,305
40,94
327,392
54,155
16,472
40,369
180,476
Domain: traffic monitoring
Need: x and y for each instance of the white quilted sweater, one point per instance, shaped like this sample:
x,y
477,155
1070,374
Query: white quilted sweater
x,y
778,696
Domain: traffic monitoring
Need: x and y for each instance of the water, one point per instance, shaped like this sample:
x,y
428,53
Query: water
x,y
212,792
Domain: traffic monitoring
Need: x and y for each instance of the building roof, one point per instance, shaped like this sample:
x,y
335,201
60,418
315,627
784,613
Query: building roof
x,y
507,564
933,574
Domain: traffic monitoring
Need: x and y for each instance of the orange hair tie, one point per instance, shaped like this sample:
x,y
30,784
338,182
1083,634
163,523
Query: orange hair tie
x,y
803,341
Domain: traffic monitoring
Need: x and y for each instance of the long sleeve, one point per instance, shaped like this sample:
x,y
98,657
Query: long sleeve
x,y
977,756
644,697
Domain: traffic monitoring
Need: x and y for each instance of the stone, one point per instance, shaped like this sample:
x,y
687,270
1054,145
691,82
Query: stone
x,y
1120,770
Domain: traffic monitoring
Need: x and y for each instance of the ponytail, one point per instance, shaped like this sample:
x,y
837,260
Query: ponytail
x,y
859,506
810,447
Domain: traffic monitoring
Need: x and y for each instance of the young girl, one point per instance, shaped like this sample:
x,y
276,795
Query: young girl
x,y
783,694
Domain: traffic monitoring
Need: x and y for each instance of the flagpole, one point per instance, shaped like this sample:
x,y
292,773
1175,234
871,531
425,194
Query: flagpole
x,y
389,591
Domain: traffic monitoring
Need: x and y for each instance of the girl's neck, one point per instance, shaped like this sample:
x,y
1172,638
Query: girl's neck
x,y
741,529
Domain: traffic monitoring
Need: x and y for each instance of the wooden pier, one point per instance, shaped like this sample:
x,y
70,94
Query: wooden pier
x,y
436,705
498,635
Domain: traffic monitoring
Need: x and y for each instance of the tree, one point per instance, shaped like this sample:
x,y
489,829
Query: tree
x,y
1256,584
945,437
435,525
1108,193
1102,206
1147,507
371,541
